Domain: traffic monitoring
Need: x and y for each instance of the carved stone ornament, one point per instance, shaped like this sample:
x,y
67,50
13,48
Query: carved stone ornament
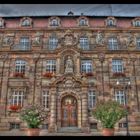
x,y
1,23
131,41
36,40
69,39
99,38
8,41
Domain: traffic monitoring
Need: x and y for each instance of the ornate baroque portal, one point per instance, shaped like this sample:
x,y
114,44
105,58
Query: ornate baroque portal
x,y
69,111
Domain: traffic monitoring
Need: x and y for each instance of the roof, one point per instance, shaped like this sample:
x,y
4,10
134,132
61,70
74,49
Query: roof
x,y
118,10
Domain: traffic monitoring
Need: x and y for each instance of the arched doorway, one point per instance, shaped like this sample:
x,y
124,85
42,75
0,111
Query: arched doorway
x,y
68,111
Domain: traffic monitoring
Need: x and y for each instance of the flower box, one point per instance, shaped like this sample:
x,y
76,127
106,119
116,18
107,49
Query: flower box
x,y
48,75
89,74
119,74
14,107
17,74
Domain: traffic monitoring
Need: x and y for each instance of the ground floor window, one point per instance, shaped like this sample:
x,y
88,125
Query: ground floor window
x,y
14,125
44,126
123,125
93,125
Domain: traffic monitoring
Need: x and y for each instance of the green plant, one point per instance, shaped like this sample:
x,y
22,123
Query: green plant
x,y
33,115
109,113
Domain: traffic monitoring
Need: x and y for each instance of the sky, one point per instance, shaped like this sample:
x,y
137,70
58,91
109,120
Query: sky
x,y
130,10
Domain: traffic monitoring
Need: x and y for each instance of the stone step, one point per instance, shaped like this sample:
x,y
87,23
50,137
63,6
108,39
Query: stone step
x,y
69,130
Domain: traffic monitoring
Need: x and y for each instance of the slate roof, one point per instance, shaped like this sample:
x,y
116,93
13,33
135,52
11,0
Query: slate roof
x,y
118,10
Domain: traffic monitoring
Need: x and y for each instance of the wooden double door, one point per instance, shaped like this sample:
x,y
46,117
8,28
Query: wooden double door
x,y
69,111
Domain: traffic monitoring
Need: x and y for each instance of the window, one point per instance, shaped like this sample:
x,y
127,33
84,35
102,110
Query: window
x,y
120,97
44,126
83,22
122,125
53,42
86,66
54,22
91,99
17,97
45,99
138,43
84,43
137,23
26,22
117,65
113,44
51,66
110,22
93,125
14,125
20,66
24,43
1,23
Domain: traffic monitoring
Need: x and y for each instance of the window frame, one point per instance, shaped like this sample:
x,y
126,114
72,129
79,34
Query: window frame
x,y
91,99
24,43
120,97
113,43
53,42
117,65
20,66
86,66
84,43
51,66
45,99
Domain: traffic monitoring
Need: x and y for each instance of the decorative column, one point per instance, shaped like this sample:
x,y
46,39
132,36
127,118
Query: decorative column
x,y
78,65
85,121
52,125
101,58
58,66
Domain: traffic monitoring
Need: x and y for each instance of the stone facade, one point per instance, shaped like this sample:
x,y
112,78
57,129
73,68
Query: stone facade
x,y
68,80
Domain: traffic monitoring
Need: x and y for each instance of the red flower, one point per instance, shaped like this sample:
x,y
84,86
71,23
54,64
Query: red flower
x,y
89,74
48,74
117,74
15,107
19,74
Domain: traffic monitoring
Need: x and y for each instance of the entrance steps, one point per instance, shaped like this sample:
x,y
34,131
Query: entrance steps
x,y
69,130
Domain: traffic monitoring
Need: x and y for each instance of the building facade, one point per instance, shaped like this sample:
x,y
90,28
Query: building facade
x,y
68,64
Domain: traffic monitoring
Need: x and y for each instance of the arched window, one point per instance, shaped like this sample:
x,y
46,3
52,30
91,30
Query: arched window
x,y
82,22
1,23
137,23
110,22
26,22
54,22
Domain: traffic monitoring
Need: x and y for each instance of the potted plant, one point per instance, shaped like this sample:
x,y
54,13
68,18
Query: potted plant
x,y
33,115
109,113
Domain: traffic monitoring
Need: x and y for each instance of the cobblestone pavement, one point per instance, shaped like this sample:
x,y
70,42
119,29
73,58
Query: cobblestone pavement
x,y
45,133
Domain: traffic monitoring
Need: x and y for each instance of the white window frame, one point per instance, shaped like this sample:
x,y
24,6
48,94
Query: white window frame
x,y
91,99
51,66
45,99
113,44
120,97
24,43
20,66
138,43
86,66
117,65
26,22
54,22
82,22
137,23
17,97
53,42
84,43
110,22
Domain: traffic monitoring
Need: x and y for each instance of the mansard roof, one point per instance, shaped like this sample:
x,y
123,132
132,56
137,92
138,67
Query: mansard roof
x,y
117,10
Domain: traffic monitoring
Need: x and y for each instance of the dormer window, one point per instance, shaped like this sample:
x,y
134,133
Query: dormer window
x,y
1,23
26,22
136,22
83,21
111,22
54,22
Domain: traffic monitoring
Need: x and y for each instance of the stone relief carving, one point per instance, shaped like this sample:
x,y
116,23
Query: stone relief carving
x,y
8,41
69,39
37,39
131,41
69,65
99,38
